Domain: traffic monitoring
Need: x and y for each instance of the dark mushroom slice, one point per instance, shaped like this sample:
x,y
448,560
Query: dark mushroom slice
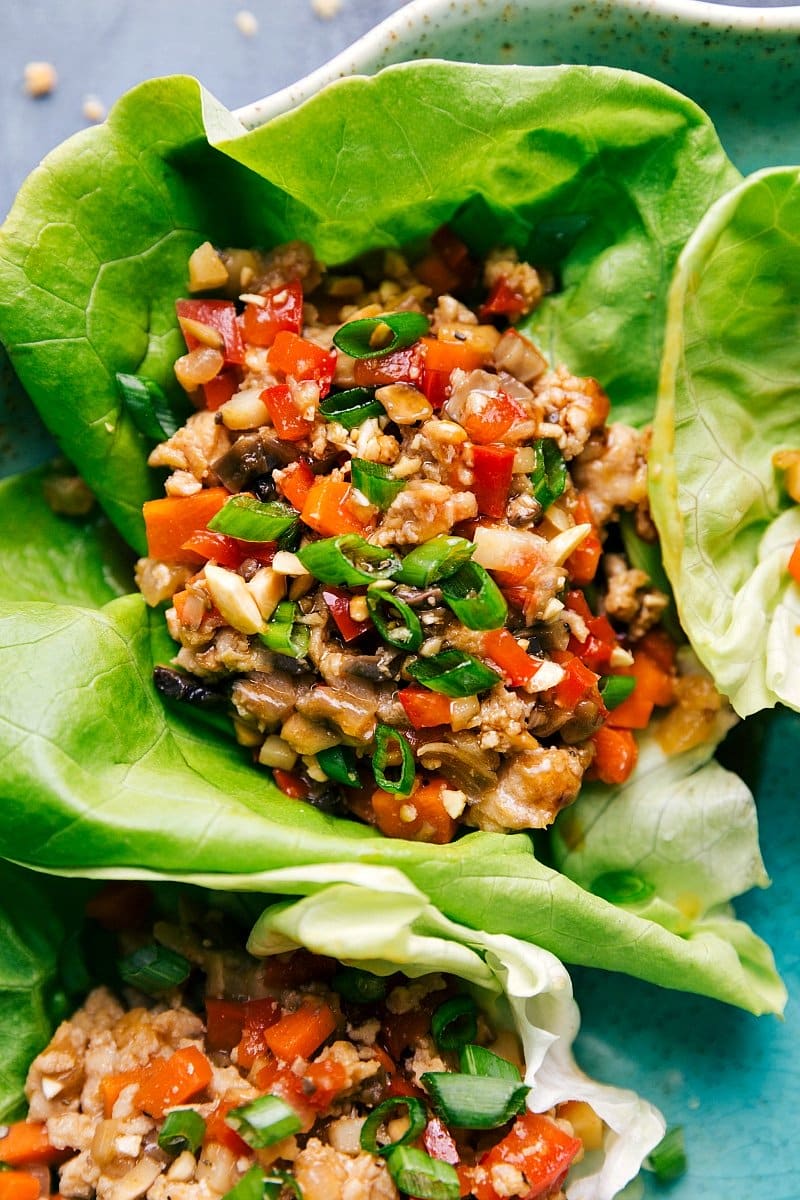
x,y
178,685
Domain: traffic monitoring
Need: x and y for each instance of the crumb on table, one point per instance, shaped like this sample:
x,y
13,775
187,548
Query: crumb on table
x,y
40,78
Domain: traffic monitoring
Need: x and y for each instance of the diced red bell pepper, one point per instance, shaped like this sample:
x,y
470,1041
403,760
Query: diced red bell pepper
x,y
172,520
401,366
497,415
505,651
224,1023
259,1016
218,1130
596,650
338,603
440,360
290,424
227,551
219,315
493,467
299,1034
321,1083
439,1143
296,357
425,709
329,509
537,1147
615,755
219,390
281,312
503,301
295,482
577,681
291,784
794,562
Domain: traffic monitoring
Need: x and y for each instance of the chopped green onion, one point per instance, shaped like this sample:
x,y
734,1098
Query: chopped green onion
x,y
453,673
264,1121
353,407
147,406
417,1174
183,1129
402,786
357,986
276,1181
475,598
339,764
251,1186
348,560
434,560
455,1022
400,626
477,1060
372,337
251,520
474,1101
417,1120
621,887
616,688
668,1160
153,969
284,635
549,476
375,481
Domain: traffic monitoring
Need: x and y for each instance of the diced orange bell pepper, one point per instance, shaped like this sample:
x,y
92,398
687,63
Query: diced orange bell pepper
x,y
295,482
794,562
112,1086
425,709
537,1147
299,1034
329,509
654,687
290,424
173,1081
282,310
429,820
659,646
582,564
18,1185
441,359
505,651
224,1023
171,521
615,754
294,356
26,1143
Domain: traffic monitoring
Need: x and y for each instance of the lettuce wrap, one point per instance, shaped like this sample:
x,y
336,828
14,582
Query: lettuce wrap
x,y
602,173
728,401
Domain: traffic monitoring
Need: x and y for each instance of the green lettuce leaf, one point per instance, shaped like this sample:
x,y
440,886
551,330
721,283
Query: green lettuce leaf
x,y
605,171
728,400
381,923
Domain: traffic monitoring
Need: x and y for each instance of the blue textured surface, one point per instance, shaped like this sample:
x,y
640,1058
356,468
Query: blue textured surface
x,y
731,1080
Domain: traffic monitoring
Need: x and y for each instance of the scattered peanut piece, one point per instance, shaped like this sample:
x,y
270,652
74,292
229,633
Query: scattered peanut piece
x,y
246,22
40,78
326,9
93,109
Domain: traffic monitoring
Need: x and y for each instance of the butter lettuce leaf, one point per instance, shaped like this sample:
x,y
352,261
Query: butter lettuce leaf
x,y
613,168
729,398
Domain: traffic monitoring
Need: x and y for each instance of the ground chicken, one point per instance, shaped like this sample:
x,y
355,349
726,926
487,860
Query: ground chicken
x,y
520,277
425,1058
424,510
629,599
574,407
532,789
159,581
326,1174
193,449
612,470
450,311
504,721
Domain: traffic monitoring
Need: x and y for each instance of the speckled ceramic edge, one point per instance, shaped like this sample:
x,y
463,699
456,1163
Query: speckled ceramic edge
x,y
409,32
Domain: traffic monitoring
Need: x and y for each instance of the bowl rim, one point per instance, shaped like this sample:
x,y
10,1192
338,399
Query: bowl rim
x,y
413,17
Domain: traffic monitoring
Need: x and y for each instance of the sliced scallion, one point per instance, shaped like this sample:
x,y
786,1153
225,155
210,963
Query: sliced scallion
x,y
357,986
668,1160
378,1118
396,621
455,1022
454,673
616,688
372,337
621,887
147,406
434,560
264,1121
284,635
477,1060
417,1174
348,560
549,477
251,520
375,481
252,1186
276,1181
475,598
339,764
474,1101
385,736
153,969
183,1129
353,407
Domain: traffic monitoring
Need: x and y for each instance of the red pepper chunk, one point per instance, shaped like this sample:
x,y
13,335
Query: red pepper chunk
x,y
290,784
219,390
401,366
295,482
259,1016
294,356
290,424
502,301
281,312
577,681
538,1148
503,648
219,315
425,709
218,1129
227,551
493,467
440,360
497,415
224,1023
582,564
338,603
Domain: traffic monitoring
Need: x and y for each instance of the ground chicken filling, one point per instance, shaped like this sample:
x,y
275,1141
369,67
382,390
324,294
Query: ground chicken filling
x,y
398,548
225,1075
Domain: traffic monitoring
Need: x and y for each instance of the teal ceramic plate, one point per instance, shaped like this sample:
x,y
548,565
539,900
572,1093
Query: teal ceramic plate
x,y
731,1080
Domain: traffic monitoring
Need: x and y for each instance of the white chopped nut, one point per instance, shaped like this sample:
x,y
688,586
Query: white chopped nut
x,y
620,657
403,403
245,410
205,334
246,735
275,752
562,545
253,298
286,563
246,22
406,466
206,271
524,460
93,109
182,1170
552,609
40,78
129,1144
358,608
454,802
50,1087
447,432
267,587
408,813
548,675
136,1182
314,769
231,596
326,9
